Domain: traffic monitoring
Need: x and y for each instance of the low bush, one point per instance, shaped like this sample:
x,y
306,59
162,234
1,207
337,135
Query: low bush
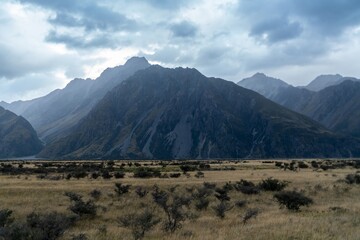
x,y
80,236
272,184
240,203
175,175
106,175
246,187
80,207
48,226
141,192
292,200
200,196
121,189
5,217
352,178
221,194
199,174
249,214
173,208
119,174
139,223
144,172
221,208
95,194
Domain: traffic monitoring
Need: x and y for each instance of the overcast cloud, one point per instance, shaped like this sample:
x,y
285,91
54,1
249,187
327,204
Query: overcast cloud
x,y
45,44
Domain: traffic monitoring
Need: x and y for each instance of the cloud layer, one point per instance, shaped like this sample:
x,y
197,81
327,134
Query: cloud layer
x,y
45,44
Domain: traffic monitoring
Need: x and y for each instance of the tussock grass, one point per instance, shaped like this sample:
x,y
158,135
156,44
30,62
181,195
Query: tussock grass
x,y
334,214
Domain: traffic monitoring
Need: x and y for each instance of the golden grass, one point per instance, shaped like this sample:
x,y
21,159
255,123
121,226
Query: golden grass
x,y
25,194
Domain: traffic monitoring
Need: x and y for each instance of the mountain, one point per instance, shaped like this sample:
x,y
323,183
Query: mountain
x,y
17,137
161,113
266,86
324,81
54,115
336,107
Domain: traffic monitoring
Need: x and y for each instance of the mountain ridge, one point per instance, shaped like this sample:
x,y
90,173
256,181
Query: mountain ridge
x,y
161,113
55,114
17,137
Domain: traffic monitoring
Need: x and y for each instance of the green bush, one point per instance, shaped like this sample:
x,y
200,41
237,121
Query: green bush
x,y
272,184
143,172
221,208
352,178
292,200
246,187
80,207
5,217
139,223
121,189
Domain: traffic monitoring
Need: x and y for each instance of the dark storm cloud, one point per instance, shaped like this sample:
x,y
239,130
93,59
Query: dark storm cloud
x,y
81,42
321,17
276,30
329,17
87,14
183,29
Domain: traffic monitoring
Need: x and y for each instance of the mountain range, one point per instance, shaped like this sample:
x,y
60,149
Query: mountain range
x,y
181,114
143,111
55,114
17,137
337,106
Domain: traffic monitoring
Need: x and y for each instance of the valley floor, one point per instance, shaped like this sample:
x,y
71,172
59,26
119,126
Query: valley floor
x,y
335,213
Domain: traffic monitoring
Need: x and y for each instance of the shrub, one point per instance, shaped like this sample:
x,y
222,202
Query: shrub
x,y
96,194
278,164
188,168
221,194
139,223
250,213
79,174
106,175
302,165
292,200
200,195
95,175
173,209
121,189
143,172
240,203
119,174
222,208
199,174
209,185
141,192
80,236
246,187
272,184
80,207
5,217
175,175
48,226
352,178
314,164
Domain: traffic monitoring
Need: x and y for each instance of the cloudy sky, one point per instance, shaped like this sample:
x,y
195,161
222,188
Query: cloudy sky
x,y
46,43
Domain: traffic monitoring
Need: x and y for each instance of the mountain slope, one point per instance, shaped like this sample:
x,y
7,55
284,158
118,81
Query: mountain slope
x,y
266,86
179,113
324,81
17,137
55,114
336,107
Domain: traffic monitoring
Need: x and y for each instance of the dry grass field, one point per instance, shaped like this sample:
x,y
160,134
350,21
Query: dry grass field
x,y
40,187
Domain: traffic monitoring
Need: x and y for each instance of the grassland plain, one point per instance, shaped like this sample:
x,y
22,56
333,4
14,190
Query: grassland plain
x,y
335,213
